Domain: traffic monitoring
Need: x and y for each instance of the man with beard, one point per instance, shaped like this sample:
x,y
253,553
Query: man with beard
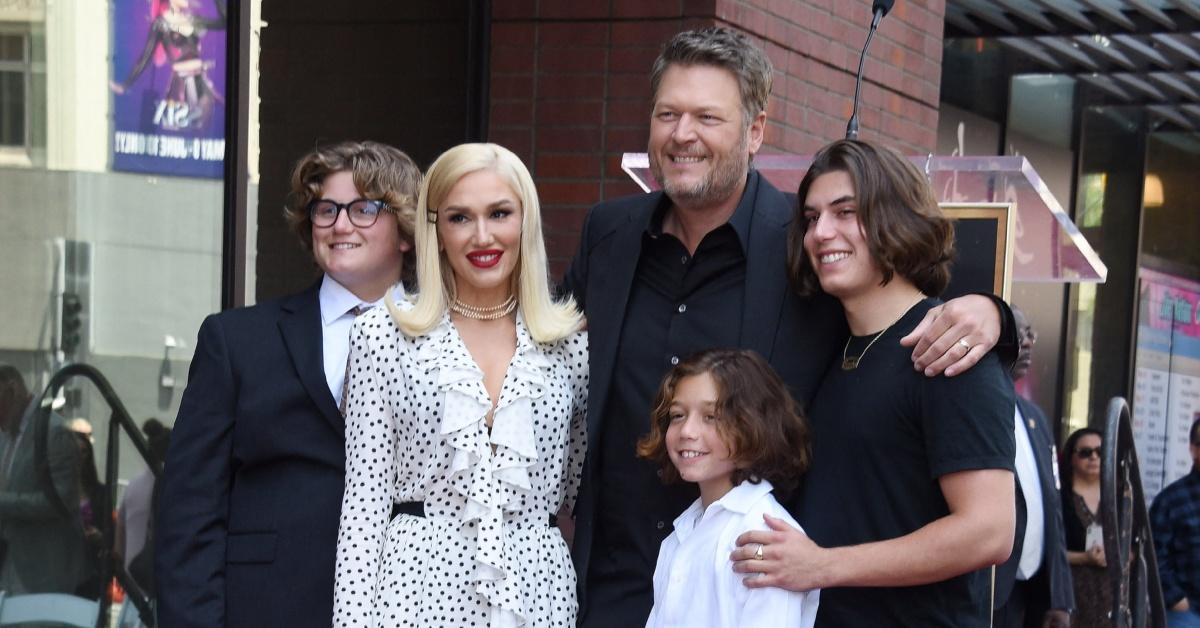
x,y
700,264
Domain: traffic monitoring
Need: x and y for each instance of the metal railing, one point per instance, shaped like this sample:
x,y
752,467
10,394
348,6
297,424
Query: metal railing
x,y
1132,568
119,421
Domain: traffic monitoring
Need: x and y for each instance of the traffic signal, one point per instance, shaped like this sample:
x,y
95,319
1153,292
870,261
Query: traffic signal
x,y
72,323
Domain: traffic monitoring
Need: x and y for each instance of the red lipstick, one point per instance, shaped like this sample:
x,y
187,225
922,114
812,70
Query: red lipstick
x,y
484,259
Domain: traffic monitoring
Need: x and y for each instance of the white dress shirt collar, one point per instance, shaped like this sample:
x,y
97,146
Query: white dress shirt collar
x,y
336,300
337,319
738,500
694,580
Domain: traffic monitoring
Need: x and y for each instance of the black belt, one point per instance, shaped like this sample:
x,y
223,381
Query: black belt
x,y
417,509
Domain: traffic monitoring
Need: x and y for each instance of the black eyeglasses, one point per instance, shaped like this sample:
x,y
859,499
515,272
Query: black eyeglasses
x,y
1087,452
362,212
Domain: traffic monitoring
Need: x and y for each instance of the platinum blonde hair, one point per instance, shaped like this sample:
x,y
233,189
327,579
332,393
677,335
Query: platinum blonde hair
x,y
547,319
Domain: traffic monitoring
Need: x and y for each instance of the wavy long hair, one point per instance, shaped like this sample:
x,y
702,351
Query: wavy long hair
x,y
764,428
906,232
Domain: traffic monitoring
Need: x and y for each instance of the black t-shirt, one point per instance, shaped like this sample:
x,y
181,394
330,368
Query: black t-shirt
x,y
883,434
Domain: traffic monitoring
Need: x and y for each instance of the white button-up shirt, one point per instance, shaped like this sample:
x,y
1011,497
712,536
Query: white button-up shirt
x,y
694,581
337,317
1031,487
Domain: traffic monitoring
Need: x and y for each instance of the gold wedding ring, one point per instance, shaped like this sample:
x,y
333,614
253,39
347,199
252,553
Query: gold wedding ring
x,y
758,552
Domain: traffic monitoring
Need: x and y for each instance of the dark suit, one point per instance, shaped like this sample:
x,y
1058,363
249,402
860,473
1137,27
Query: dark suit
x,y
248,513
1050,587
796,335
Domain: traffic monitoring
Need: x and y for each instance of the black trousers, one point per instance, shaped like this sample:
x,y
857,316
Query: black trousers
x,y
1026,606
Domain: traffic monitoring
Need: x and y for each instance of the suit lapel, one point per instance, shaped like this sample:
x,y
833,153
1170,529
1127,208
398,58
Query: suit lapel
x,y
300,325
608,295
766,271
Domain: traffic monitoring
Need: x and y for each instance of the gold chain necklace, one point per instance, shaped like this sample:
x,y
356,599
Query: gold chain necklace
x,y
489,313
849,364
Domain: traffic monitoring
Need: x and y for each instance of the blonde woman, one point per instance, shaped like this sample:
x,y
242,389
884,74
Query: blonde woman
x,y
465,419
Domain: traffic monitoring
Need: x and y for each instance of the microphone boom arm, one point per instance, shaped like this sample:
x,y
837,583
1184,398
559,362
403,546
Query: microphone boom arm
x,y
852,125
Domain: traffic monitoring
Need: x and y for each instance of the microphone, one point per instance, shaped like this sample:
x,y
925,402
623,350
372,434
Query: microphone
x,y
879,8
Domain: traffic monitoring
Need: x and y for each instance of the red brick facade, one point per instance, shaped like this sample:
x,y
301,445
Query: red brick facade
x,y
570,84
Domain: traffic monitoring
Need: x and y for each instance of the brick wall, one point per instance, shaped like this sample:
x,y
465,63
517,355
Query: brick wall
x,y
570,84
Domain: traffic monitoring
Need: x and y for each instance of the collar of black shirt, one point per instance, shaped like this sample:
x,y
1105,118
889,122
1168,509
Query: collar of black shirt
x,y
740,220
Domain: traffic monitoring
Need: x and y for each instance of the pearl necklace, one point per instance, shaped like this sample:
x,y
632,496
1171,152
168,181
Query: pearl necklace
x,y
490,313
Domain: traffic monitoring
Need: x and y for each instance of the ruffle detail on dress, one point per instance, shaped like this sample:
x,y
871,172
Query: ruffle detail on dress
x,y
490,470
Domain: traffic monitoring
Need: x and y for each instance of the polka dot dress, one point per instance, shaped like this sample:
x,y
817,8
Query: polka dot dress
x,y
415,432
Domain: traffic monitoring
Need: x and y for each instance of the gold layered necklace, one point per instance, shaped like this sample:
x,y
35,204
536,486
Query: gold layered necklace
x,y
490,313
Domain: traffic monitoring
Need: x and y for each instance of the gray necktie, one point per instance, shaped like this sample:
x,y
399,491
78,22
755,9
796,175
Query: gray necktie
x,y
358,309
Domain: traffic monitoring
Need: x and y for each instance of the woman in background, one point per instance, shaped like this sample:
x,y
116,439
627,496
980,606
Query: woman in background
x,y
1081,521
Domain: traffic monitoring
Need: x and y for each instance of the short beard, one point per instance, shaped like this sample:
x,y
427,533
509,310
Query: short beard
x,y
715,188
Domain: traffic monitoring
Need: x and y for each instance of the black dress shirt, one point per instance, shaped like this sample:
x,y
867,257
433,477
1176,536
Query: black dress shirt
x,y
679,304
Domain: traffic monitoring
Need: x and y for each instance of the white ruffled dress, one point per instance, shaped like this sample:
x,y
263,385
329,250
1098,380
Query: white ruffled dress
x,y
484,554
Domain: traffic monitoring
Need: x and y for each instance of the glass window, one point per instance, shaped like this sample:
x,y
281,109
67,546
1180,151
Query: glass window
x,y
111,170
1171,201
12,108
1107,211
14,79
12,47
1039,128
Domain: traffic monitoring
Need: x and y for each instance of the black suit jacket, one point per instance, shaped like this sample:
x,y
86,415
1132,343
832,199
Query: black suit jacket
x,y
248,510
1052,586
796,335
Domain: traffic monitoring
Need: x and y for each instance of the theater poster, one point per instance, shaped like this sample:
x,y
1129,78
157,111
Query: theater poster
x,y
168,87
1166,383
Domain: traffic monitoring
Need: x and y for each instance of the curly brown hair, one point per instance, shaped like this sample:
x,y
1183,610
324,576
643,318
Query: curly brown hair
x,y
905,229
758,419
380,172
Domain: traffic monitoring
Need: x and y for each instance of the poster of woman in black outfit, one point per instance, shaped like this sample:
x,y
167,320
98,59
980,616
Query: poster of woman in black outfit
x,y
174,37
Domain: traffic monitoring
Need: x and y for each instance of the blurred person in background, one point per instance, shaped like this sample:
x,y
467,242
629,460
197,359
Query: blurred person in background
x,y
41,535
83,427
133,540
93,508
1175,522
